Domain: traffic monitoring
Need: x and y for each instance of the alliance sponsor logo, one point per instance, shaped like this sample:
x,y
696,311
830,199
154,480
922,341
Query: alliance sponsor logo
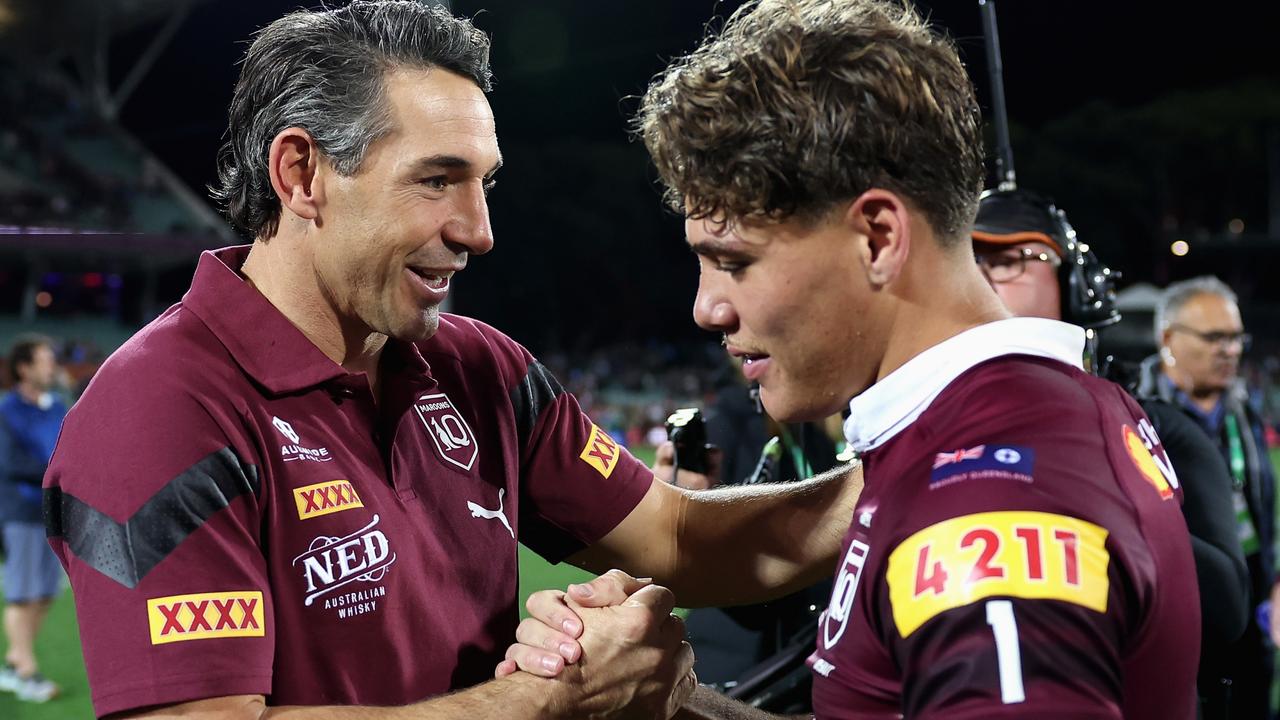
x,y
203,616
292,451
334,562
448,429
601,451
325,498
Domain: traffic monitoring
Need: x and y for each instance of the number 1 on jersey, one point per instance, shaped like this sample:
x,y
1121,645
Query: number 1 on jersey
x,y
1008,654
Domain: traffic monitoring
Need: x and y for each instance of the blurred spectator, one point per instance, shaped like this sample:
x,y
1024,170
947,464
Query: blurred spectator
x,y
30,417
1201,339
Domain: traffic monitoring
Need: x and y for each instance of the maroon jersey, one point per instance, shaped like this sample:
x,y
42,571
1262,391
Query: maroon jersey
x,y
1018,550
238,516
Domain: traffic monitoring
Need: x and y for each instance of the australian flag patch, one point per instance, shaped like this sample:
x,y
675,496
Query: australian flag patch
x,y
984,462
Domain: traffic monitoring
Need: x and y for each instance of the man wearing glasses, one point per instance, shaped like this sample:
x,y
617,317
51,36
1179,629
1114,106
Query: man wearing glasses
x,y
1201,339
1024,264
1035,263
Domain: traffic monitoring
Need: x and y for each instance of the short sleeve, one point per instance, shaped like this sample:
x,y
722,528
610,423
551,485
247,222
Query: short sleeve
x,y
576,481
152,506
1010,595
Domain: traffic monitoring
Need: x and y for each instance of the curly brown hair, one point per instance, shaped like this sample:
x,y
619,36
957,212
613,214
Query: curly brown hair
x,y
797,105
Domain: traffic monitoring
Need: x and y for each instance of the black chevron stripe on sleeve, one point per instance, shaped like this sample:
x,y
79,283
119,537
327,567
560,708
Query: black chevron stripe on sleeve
x,y
538,389
126,552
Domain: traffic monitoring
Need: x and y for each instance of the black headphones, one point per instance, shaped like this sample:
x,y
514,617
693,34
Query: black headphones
x,y
1087,287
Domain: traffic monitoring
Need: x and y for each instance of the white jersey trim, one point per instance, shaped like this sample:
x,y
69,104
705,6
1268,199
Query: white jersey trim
x,y
890,405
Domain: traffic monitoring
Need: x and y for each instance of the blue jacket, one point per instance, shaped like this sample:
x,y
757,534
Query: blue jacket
x,y
28,434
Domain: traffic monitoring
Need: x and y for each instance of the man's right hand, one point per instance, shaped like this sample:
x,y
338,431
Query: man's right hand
x,y
547,640
634,661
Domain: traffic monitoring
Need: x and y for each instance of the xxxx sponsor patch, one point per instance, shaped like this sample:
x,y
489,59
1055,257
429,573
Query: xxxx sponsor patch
x,y
601,451
1021,554
204,616
325,498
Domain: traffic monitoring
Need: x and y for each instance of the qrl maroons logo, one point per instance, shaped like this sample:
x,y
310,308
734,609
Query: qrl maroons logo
x,y
450,433
841,607
332,562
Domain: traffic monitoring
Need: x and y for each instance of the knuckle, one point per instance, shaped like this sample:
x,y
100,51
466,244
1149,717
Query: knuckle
x,y
551,641
616,576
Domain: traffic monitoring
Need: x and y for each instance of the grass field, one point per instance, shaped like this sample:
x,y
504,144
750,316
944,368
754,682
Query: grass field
x,y
59,645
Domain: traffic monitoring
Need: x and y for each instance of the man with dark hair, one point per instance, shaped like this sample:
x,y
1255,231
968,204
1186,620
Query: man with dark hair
x,y
1017,550
1201,339
304,485
30,417
1040,268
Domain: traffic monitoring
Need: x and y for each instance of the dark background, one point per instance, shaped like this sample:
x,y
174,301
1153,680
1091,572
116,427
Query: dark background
x,y
1148,123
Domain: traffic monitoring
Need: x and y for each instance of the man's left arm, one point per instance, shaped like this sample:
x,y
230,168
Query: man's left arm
x,y
584,498
732,545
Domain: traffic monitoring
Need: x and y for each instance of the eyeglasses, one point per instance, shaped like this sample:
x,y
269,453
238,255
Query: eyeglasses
x,y
1217,338
1009,264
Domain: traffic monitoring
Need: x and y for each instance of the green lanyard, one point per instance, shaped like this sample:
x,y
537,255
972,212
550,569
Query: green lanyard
x,y
1236,449
803,468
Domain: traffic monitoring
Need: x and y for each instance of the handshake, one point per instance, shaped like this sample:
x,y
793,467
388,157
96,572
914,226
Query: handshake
x,y
611,647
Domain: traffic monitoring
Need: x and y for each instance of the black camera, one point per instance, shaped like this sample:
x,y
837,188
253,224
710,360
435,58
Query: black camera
x,y
688,432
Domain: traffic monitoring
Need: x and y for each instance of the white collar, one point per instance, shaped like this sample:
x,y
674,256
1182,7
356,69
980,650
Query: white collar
x,y
893,403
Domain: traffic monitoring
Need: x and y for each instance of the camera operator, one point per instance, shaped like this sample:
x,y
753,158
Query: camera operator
x,y
1037,265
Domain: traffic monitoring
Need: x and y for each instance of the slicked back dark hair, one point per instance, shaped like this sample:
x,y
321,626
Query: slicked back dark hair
x,y
324,71
798,105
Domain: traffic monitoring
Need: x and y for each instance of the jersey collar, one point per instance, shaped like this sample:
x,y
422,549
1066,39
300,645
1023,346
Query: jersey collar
x,y
890,405
265,344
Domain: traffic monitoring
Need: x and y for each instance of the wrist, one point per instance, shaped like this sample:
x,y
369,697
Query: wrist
x,y
546,699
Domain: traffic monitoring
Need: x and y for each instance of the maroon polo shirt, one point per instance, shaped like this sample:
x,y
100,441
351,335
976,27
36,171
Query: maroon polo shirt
x,y
238,516
1018,551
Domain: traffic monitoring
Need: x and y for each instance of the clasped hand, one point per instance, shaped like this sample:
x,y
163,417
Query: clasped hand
x,y
614,641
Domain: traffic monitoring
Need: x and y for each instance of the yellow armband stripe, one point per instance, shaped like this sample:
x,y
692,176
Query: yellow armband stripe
x,y
1021,554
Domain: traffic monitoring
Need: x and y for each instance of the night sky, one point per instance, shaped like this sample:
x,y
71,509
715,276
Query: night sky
x,y
1146,122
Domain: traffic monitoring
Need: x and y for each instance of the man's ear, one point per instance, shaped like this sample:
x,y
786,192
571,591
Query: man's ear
x,y
882,225
1166,353
293,162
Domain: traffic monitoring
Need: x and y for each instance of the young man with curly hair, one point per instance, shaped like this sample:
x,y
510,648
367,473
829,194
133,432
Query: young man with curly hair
x,y
1018,549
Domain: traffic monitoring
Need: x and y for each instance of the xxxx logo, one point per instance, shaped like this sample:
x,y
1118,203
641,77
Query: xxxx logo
x,y
325,498
601,452
206,615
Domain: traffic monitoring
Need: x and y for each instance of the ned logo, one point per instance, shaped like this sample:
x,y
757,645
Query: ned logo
x,y
333,562
448,430
203,616
601,451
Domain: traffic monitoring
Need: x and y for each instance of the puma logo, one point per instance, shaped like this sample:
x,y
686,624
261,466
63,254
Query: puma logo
x,y
479,512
